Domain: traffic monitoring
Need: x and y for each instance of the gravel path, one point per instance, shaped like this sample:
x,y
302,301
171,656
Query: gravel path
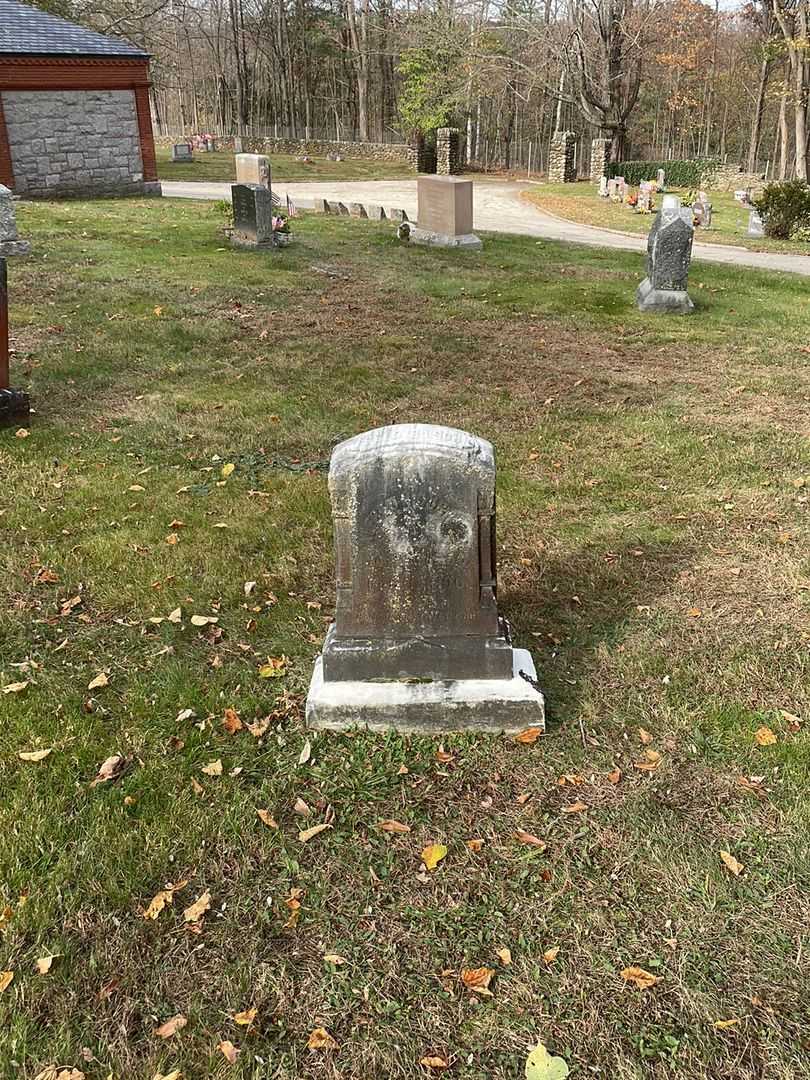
x,y
498,208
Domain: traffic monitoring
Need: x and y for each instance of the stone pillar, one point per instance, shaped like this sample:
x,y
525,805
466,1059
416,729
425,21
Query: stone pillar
x,y
448,155
562,164
417,152
600,155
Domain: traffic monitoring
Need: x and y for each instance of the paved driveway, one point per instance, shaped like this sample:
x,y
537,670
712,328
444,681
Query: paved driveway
x,y
498,208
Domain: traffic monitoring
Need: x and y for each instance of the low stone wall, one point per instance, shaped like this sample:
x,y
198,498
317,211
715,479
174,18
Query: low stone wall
x,y
733,178
359,151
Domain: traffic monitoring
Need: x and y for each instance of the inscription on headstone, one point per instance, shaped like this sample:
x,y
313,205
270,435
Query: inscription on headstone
x,y
252,216
669,252
417,640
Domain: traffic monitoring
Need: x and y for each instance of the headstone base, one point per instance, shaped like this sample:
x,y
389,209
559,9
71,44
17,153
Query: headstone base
x,y
247,243
468,241
668,301
489,705
15,407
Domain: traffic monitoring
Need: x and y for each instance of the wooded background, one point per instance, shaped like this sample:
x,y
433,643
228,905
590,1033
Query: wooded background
x,y
660,78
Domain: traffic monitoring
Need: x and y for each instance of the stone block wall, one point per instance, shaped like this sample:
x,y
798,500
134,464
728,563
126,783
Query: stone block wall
x,y
562,161
361,151
448,151
726,177
74,142
600,154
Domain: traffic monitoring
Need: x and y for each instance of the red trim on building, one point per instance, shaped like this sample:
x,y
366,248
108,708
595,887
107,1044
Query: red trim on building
x,y
83,73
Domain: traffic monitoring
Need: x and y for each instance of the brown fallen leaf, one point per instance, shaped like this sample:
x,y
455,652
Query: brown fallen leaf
x,y
34,755
228,1051
443,756
645,736
475,844
213,768
433,1061
529,735
504,955
267,818
307,834
477,979
575,808
171,1027
550,955
734,867
246,1018
195,911
110,769
231,722
764,736
650,761
5,980
99,682
530,839
394,827
320,1039
161,899
259,728
300,807
16,687
615,776
639,977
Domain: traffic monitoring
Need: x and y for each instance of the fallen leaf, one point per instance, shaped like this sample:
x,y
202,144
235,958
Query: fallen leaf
x,y
504,955
228,469
645,736
171,1027
443,756
334,958
259,728
228,1051
213,768
477,978
550,955
475,844
575,808
231,722
34,755
203,620
5,980
432,1061
175,1074
793,722
194,912
734,867
764,736
248,587
615,776
245,1018
300,807
432,855
161,899
306,753
45,963
721,1025
641,978
21,433
394,827
530,839
541,1065
320,1039
110,769
275,667
650,761
307,834
529,735
16,687
267,818
175,616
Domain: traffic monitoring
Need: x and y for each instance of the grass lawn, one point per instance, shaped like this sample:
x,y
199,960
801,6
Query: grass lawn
x,y
654,477
220,166
579,202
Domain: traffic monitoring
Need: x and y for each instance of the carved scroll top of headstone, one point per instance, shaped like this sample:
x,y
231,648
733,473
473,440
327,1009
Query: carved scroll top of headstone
x,y
414,518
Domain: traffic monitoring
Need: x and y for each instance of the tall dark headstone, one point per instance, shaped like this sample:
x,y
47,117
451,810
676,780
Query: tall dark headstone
x,y
417,642
14,404
252,216
669,253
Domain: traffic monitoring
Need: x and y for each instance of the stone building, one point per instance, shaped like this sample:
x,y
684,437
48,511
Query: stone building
x,y
74,109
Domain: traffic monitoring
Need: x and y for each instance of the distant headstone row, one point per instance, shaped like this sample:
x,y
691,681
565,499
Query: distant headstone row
x,y
372,211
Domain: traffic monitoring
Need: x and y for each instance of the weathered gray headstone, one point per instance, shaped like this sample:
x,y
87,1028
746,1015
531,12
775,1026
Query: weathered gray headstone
x,y
756,226
603,187
357,210
396,215
669,252
444,216
417,642
253,169
375,212
644,201
182,152
321,206
252,216
14,404
660,180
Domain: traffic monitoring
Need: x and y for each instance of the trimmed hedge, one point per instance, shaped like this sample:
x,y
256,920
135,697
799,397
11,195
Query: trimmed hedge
x,y
785,208
682,174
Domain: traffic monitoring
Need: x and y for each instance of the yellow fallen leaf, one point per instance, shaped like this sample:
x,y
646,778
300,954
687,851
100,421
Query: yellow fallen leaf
x,y
228,1051
45,963
267,818
213,768
307,834
541,1065
35,755
550,955
764,736
99,681
694,612
15,687
530,839
175,1074
161,899
529,735
734,867
194,912
171,1027
433,1061
645,736
275,667
394,827
432,855
228,469
5,980
245,1018
504,955
320,1039
334,958
641,978
721,1025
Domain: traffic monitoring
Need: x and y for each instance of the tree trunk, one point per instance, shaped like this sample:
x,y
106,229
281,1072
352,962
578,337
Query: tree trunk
x,y
759,112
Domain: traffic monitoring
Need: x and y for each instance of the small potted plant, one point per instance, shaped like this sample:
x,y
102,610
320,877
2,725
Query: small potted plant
x,y
281,229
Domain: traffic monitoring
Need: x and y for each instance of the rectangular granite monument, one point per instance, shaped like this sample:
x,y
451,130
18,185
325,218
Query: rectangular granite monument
x,y
417,643
252,216
444,216
253,169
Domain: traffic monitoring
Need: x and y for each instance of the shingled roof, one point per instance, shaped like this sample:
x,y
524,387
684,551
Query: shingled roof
x,y
27,31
